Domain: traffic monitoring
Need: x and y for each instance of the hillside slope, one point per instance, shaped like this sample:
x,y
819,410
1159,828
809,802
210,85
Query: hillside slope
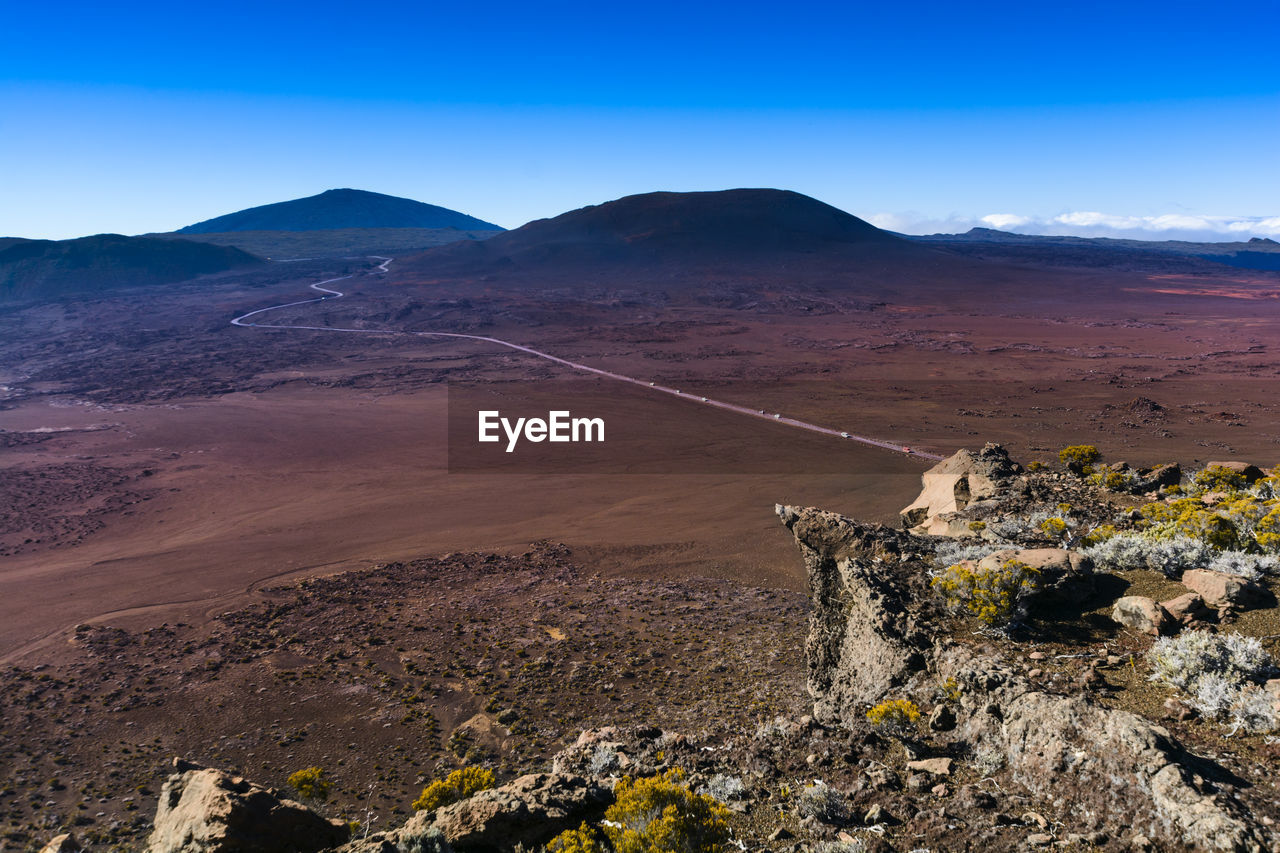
x,y
38,269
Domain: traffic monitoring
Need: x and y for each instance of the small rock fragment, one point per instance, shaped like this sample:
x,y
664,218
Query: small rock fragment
x,y
932,766
942,719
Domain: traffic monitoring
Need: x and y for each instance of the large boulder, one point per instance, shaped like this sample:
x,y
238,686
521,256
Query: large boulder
x,y
208,811
954,484
1251,473
1219,589
65,843
1144,615
863,638
1158,477
1064,575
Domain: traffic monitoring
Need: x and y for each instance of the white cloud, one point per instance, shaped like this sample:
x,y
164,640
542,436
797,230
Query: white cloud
x,y
1005,221
1092,223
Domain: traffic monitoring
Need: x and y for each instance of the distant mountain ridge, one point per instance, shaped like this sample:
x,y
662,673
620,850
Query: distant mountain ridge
x,y
340,209
37,269
1258,253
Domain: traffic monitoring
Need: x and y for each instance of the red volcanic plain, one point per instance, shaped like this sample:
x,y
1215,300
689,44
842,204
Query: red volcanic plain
x,y
162,459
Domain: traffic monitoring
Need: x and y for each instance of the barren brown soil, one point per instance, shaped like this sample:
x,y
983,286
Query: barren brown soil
x,y
160,458
160,466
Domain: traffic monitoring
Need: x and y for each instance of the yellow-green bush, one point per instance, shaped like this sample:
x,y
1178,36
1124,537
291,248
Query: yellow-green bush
x,y
1267,532
1190,516
455,787
1079,456
993,595
1219,478
658,814
899,715
311,783
584,839
1054,528
1101,533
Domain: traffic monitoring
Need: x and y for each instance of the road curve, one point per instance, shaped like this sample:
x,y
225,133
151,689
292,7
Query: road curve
x,y
771,417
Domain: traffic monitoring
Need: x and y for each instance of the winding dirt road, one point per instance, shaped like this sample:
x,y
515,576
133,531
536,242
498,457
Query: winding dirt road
x,y
772,417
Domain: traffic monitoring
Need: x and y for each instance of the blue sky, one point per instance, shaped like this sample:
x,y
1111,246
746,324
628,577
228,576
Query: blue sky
x,y
1150,119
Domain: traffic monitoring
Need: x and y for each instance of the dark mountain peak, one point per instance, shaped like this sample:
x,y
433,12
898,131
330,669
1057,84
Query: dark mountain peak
x,y
1264,240
337,209
746,218
681,243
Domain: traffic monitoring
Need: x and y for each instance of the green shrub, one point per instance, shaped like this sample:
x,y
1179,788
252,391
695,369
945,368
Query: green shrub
x,y
584,839
457,786
1218,478
657,815
896,715
1079,456
1054,528
311,784
993,595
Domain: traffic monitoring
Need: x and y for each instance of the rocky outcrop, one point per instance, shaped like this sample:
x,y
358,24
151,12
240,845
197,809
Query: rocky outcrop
x,y
861,642
953,484
870,631
1103,762
208,811
529,811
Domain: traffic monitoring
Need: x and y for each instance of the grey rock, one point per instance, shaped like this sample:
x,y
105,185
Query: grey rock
x,y
65,843
1142,614
932,766
209,811
954,484
1104,761
942,719
861,642
530,810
